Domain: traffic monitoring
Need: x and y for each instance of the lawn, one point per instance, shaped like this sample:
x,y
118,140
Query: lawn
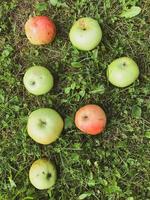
x,y
114,165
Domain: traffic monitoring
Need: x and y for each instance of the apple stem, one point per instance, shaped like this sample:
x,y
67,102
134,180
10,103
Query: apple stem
x,y
124,64
82,25
33,83
49,175
42,123
85,117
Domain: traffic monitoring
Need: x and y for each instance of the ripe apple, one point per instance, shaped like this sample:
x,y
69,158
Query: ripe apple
x,y
85,34
122,72
90,119
40,30
38,80
44,125
42,174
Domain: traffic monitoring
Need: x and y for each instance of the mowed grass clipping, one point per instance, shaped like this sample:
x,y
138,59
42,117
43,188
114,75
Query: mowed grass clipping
x,y
112,166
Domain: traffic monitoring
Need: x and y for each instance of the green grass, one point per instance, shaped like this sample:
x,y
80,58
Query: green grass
x,y
111,166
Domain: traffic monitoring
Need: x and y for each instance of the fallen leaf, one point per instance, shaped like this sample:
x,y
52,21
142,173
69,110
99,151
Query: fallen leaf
x,y
131,12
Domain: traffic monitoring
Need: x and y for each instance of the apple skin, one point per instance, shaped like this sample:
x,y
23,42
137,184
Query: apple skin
x,y
85,34
38,80
122,72
90,119
44,125
42,174
40,30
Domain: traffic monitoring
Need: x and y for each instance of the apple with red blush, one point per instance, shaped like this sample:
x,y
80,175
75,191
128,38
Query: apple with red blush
x,y
40,30
90,119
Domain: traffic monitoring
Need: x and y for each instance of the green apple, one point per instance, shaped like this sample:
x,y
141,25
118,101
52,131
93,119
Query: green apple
x,y
44,125
38,80
85,34
42,174
122,72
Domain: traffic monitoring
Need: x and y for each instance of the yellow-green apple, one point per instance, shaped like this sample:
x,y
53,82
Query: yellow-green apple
x,y
44,125
42,174
90,119
85,34
40,30
122,72
38,80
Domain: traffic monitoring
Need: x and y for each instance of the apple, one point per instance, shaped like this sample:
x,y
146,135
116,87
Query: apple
x,y
85,34
44,125
122,72
42,174
90,119
40,30
38,80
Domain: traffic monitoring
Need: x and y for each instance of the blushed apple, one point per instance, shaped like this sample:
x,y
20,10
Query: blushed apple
x,y
40,30
44,125
42,174
90,119
122,72
38,80
85,34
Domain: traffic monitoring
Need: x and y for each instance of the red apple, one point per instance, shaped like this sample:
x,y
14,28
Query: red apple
x,y
40,30
90,119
